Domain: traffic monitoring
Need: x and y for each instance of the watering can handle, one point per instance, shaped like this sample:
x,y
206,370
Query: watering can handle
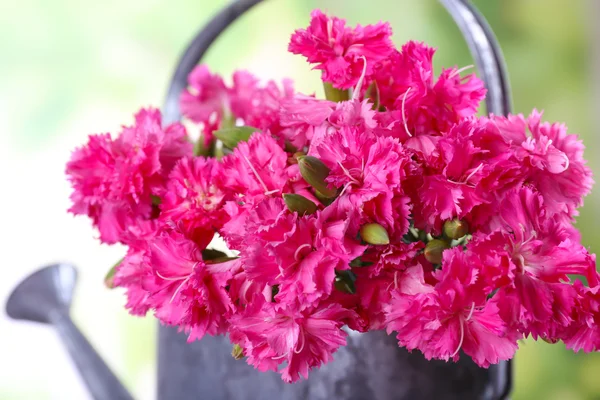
x,y
475,29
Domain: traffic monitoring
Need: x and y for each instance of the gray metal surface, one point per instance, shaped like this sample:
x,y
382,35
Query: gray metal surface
x,y
370,367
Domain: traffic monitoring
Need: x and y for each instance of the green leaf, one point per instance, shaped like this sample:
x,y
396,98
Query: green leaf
x,y
110,275
232,136
344,281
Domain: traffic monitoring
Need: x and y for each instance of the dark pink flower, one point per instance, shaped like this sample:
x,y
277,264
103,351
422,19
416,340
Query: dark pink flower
x,y
451,316
340,51
304,339
130,274
584,332
193,200
299,254
427,107
205,101
258,105
184,290
552,160
117,182
257,168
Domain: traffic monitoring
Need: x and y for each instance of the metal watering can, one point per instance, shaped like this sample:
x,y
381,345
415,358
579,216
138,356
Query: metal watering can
x,y
370,367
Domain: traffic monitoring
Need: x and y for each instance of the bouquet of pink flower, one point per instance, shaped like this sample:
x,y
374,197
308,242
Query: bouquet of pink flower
x,y
389,205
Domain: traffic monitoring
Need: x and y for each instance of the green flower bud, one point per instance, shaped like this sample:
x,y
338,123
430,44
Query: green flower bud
x,y
374,233
299,204
230,137
333,94
434,250
314,172
237,352
455,229
324,200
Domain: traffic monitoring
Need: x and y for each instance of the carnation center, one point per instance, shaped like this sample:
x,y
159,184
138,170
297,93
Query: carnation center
x,y
209,199
303,251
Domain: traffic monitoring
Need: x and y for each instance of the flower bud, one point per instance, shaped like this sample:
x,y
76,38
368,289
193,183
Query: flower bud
x,y
314,172
434,250
344,281
230,137
455,229
299,204
374,233
237,352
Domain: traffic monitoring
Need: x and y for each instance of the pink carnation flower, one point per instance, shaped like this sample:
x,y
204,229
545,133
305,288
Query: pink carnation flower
x,y
184,290
258,106
584,332
340,51
451,316
193,201
256,169
552,159
116,182
299,254
427,107
205,101
543,255
304,339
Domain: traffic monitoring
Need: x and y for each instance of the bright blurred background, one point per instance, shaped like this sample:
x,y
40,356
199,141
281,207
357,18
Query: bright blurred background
x,y
73,67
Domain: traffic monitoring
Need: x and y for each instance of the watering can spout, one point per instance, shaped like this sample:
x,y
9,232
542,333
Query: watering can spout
x,y
45,297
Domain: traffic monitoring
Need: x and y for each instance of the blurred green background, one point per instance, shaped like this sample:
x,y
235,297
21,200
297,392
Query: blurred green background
x,y
73,67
